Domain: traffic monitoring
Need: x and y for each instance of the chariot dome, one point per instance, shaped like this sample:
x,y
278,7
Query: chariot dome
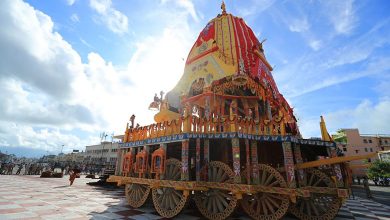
x,y
227,59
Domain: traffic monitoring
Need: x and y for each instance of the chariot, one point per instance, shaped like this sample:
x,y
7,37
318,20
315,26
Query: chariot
x,y
225,137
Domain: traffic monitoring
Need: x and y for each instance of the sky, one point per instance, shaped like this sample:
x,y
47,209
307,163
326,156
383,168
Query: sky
x,y
72,69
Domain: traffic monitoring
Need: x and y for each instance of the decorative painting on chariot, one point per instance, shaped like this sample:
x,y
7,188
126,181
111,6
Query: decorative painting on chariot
x,y
289,164
255,174
236,159
197,159
184,160
337,169
298,159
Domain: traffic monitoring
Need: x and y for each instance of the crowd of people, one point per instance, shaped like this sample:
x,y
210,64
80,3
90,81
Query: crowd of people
x,y
36,168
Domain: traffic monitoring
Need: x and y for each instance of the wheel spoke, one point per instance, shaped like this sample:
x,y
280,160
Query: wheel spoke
x,y
176,176
311,179
316,183
270,207
265,211
302,206
308,207
171,201
314,208
272,201
209,203
270,177
219,175
175,197
214,173
222,199
274,183
219,200
263,177
214,205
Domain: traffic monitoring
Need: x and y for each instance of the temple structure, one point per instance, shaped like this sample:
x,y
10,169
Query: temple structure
x,y
224,136
227,76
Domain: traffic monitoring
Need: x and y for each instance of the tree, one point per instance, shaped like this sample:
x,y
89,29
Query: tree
x,y
379,170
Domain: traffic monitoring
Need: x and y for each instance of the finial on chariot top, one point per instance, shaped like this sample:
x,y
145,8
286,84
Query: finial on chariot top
x,y
223,7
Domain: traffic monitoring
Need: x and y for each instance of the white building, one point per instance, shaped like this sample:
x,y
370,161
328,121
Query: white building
x,y
104,154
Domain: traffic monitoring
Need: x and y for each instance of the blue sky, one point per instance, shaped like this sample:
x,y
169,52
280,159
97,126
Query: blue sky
x,y
71,69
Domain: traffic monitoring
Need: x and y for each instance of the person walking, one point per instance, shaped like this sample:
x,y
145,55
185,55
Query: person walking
x,y
367,188
19,169
73,174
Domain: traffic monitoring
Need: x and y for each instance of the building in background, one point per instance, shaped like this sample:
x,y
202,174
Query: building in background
x,y
352,143
384,156
103,154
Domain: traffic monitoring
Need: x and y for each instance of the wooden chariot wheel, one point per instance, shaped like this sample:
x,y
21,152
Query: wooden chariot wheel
x,y
319,206
168,201
265,205
216,203
136,194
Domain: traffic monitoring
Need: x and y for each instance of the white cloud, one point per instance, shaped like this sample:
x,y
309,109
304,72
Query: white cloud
x,y
342,15
315,44
115,20
33,53
54,94
255,7
41,77
369,117
299,25
75,18
48,139
70,2
187,5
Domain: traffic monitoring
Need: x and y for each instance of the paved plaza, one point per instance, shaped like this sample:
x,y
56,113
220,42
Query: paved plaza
x,y
31,197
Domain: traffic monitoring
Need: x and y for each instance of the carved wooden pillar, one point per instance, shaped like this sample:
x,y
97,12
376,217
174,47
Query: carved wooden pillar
x,y
255,172
257,115
164,146
336,168
119,162
222,112
236,159
197,166
289,164
206,158
248,162
233,116
298,158
184,160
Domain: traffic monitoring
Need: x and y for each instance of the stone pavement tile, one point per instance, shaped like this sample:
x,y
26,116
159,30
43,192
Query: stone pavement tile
x,y
19,215
186,217
364,218
13,197
341,218
10,206
111,215
146,216
129,213
33,204
117,208
12,210
45,212
46,207
367,215
345,214
382,214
